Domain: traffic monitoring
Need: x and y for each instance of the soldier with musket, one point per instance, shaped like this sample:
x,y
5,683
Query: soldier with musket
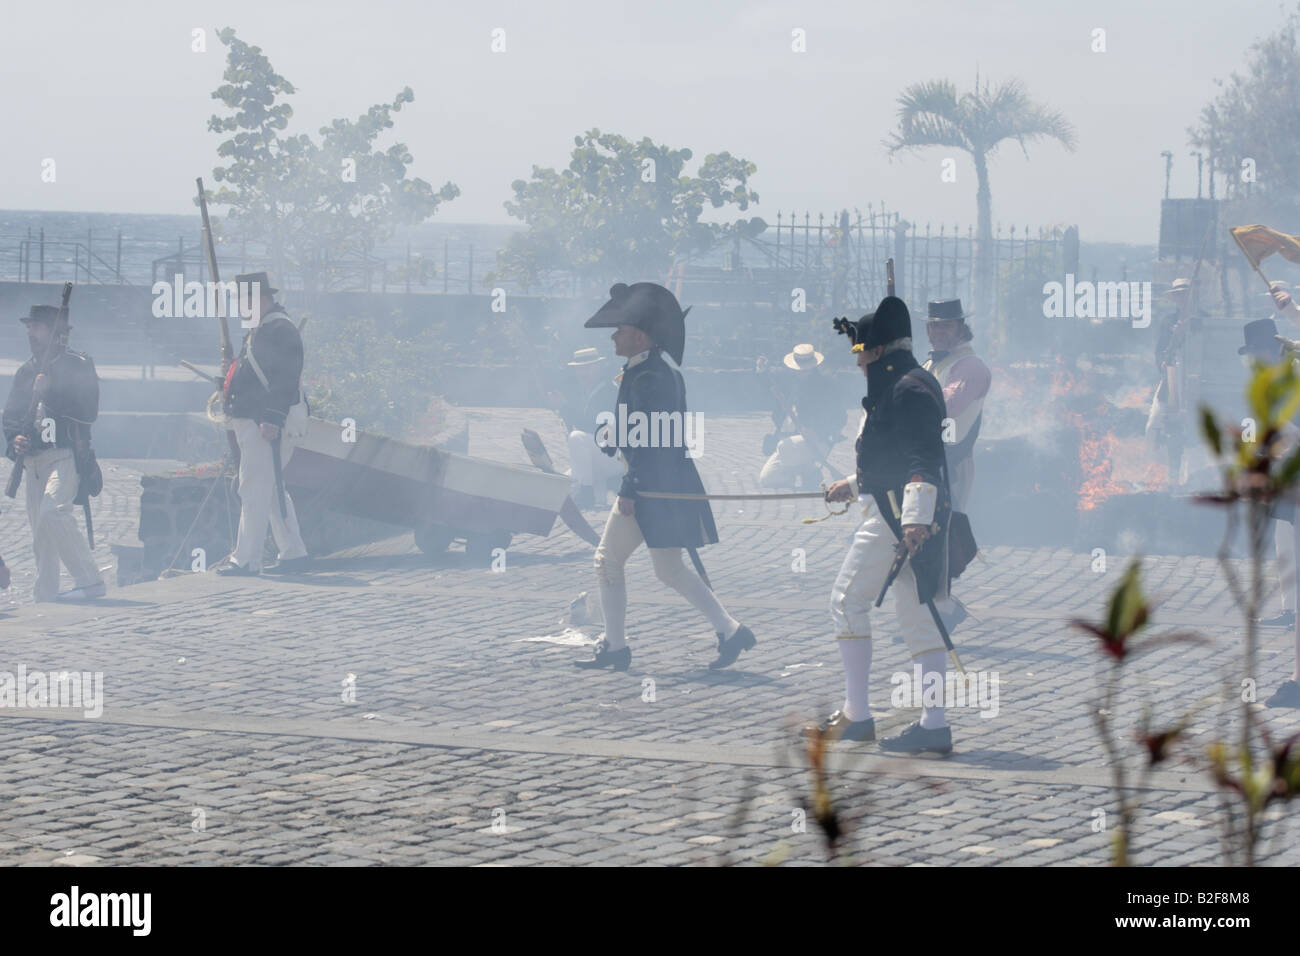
x,y
264,407
54,400
901,484
648,321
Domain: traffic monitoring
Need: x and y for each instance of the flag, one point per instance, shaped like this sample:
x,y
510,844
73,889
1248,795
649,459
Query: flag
x,y
1260,242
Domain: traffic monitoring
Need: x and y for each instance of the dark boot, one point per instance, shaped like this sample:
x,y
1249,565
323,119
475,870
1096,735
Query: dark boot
x,y
1288,695
729,648
1285,619
604,657
839,727
915,739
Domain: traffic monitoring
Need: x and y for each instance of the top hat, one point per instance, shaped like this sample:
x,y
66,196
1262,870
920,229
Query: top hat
x,y
649,307
946,310
1261,338
804,356
889,322
41,313
1179,286
261,278
583,357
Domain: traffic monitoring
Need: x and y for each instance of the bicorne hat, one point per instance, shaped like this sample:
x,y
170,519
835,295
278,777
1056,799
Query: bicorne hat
x,y
651,308
946,310
889,322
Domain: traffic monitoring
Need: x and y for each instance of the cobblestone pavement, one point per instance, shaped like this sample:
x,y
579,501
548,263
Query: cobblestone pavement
x,y
228,734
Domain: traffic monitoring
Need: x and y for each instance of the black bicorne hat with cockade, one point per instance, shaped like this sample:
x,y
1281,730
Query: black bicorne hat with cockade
x,y
652,309
890,321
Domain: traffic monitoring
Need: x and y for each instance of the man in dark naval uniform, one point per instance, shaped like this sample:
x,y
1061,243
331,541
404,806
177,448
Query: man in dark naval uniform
x,y
902,486
264,408
648,321
66,399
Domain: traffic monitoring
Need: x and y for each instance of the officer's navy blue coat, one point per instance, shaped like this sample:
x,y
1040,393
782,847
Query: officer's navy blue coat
x,y
654,386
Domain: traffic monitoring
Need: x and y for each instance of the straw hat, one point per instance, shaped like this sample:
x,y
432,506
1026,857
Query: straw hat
x,y
804,356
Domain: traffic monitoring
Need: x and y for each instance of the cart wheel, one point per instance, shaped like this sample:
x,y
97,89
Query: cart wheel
x,y
479,547
433,539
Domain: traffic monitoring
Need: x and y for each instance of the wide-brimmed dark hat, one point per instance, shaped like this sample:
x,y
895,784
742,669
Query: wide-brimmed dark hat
x,y
652,309
41,313
946,310
889,322
261,278
1260,337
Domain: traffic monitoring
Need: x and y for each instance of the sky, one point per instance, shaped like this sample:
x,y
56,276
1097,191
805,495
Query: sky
x,y
115,94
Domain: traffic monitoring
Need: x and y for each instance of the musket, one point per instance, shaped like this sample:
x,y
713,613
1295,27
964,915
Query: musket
x,y
889,275
227,350
57,335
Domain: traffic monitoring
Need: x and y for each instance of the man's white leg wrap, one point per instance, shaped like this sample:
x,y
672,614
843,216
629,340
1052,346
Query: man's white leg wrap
x,y
933,668
855,652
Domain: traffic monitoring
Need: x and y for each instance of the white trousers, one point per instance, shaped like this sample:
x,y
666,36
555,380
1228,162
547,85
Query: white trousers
x,y
257,501
51,477
623,536
961,482
589,466
859,582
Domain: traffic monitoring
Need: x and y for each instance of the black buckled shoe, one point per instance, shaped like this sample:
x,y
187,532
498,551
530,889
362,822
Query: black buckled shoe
x,y
838,727
1285,619
604,657
229,569
915,739
729,648
1288,695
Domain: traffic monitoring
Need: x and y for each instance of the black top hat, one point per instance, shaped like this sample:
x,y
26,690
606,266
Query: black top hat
x,y
946,310
889,322
41,313
261,278
649,307
1261,338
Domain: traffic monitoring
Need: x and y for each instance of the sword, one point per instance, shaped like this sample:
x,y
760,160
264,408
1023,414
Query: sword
x,y
900,558
90,524
689,496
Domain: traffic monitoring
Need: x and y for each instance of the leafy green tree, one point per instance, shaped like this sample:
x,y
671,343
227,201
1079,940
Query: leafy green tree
x,y
932,114
313,202
622,211
1251,130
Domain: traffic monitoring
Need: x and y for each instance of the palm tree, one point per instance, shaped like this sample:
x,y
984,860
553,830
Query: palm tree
x,y
931,114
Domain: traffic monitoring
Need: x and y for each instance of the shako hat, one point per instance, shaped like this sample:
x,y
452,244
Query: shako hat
x,y
889,322
946,310
651,308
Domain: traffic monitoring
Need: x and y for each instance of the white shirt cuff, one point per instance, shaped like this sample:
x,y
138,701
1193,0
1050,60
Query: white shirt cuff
x,y
853,484
918,502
